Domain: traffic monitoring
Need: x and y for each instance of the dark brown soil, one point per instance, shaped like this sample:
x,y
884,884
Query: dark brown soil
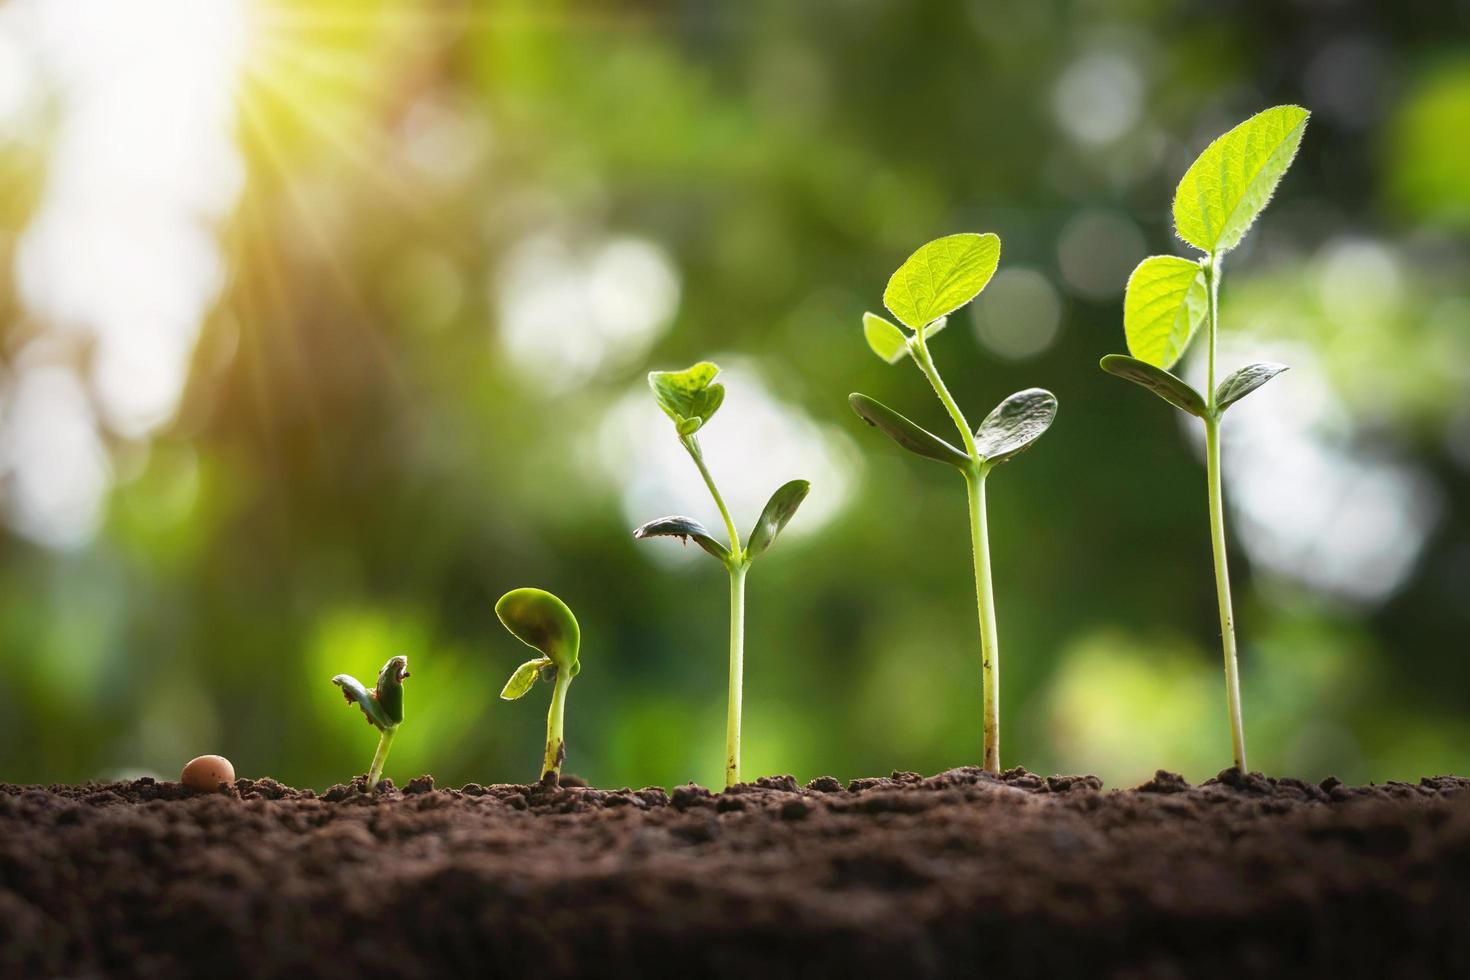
x,y
955,875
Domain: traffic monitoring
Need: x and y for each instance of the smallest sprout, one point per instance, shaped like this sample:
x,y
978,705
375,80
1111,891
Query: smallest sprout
x,y
383,706
543,622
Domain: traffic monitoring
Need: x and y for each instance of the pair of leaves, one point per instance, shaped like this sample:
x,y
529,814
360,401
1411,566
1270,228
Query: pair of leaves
x,y
541,621
1174,390
1217,201
383,705
774,517
689,397
1010,429
888,341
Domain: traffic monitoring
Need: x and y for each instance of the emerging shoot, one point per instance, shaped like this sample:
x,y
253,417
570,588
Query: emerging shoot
x,y
690,398
1216,202
543,622
935,281
383,706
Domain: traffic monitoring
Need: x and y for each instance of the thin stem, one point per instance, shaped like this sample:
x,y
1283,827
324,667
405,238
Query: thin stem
x,y
1222,590
926,364
556,747
985,602
737,674
375,771
1217,527
692,447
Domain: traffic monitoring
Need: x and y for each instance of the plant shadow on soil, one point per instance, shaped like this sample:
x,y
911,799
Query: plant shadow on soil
x,y
952,875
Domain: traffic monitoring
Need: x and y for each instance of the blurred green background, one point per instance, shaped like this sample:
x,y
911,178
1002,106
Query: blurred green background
x,y
325,323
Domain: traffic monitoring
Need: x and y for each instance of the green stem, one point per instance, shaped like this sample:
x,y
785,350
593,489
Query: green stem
x,y
1217,528
556,746
985,602
375,771
737,674
926,364
692,447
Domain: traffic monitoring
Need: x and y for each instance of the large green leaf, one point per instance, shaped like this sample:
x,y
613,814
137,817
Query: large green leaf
x,y
689,397
1167,386
1234,178
1243,382
778,511
1015,424
684,528
884,339
941,277
541,620
523,679
910,436
1165,302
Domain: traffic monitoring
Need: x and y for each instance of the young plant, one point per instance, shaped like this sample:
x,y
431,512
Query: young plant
x,y
542,621
1219,197
935,281
383,706
690,398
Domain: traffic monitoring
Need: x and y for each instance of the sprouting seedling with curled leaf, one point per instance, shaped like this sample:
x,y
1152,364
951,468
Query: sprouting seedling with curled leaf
x,y
1217,201
383,706
543,622
938,279
690,398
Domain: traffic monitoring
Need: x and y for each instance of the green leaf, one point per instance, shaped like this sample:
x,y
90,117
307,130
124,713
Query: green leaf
x,y
1167,386
1232,181
1243,382
541,620
1165,302
1015,424
907,434
884,339
685,528
941,277
355,693
689,397
778,512
523,679
390,688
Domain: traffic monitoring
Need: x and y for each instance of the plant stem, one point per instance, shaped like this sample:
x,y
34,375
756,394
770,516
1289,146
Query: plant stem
x,y
985,602
1217,528
375,771
926,364
737,674
556,748
692,447
1222,590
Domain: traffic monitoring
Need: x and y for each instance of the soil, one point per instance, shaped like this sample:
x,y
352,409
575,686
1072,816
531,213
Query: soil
x,y
959,874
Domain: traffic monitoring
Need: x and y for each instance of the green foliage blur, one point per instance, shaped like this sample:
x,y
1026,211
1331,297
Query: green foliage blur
x,y
422,385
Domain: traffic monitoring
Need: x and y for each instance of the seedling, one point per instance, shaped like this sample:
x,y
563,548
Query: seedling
x,y
935,281
1217,201
383,706
542,621
690,398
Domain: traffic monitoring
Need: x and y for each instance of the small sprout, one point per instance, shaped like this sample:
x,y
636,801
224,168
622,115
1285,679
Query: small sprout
x,y
543,622
935,281
690,398
1168,298
207,773
383,707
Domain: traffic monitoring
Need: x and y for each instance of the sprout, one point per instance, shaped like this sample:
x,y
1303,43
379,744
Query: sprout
x,y
1217,201
935,281
383,706
542,621
690,398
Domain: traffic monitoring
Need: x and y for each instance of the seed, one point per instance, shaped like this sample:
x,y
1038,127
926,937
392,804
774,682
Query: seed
x,y
206,773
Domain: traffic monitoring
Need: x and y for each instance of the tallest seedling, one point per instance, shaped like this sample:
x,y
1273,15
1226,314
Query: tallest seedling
x,y
936,280
1215,205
